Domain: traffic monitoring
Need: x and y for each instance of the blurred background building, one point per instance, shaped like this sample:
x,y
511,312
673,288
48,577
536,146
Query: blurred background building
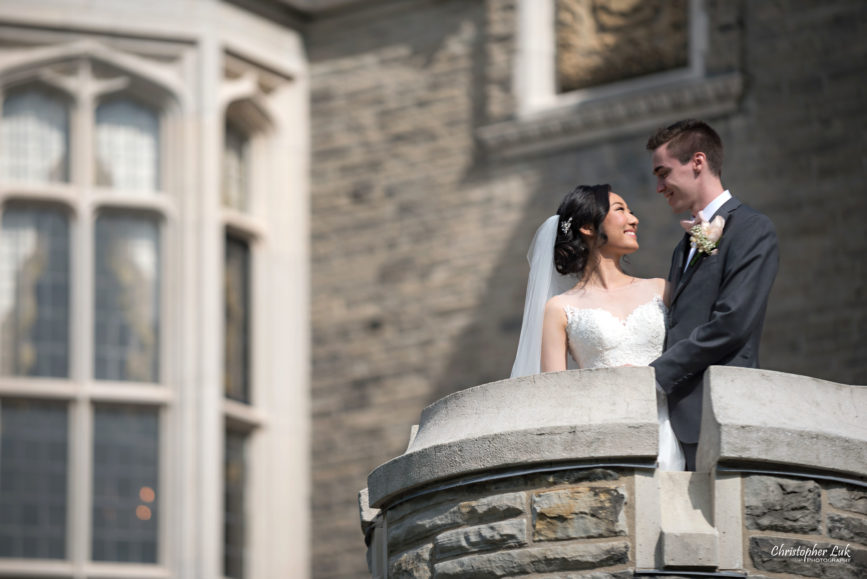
x,y
245,242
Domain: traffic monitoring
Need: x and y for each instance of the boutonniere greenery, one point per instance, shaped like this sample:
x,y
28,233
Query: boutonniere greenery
x,y
704,236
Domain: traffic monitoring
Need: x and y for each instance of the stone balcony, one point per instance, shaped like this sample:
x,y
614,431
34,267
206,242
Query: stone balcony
x,y
553,476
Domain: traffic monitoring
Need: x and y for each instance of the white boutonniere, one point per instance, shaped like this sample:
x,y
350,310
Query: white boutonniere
x,y
704,236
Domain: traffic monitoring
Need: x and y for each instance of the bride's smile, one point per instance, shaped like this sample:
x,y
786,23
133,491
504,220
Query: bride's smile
x,y
619,228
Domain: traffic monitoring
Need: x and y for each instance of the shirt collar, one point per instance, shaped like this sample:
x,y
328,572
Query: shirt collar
x,y
713,206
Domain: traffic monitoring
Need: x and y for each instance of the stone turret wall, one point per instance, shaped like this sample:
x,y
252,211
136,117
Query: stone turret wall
x,y
778,492
569,520
800,526
579,521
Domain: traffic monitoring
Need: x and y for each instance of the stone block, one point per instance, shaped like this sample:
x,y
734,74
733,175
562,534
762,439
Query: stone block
x,y
728,519
807,558
422,525
579,513
688,537
790,420
848,499
647,519
412,564
847,528
494,507
490,537
780,504
546,559
411,522
366,514
690,549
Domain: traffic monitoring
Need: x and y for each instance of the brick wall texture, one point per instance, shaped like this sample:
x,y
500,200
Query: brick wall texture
x,y
419,238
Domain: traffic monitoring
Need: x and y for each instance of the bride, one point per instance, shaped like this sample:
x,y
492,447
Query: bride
x,y
608,318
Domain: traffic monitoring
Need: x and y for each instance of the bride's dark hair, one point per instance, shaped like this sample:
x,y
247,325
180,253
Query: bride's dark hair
x,y
584,206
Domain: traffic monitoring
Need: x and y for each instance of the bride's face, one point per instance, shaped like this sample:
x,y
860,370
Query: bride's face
x,y
620,227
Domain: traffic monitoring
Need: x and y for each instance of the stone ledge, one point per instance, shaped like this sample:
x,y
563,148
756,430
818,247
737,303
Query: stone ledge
x,y
636,112
761,416
556,417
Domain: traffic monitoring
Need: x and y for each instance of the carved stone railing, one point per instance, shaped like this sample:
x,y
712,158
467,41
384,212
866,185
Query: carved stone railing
x,y
553,474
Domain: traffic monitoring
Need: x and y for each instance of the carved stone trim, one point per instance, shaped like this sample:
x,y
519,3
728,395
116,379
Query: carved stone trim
x,y
598,120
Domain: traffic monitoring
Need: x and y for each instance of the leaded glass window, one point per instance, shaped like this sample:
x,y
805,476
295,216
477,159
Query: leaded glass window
x,y
236,168
237,319
34,136
125,483
33,479
127,146
603,41
127,298
34,291
234,488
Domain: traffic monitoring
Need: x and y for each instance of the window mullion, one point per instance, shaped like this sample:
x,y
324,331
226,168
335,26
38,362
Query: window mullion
x,y
81,433
83,151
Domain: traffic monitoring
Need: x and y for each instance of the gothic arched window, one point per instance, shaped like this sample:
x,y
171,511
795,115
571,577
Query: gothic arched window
x,y
81,309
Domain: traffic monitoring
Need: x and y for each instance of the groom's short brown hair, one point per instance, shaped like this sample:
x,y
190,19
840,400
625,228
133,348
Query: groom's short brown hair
x,y
688,137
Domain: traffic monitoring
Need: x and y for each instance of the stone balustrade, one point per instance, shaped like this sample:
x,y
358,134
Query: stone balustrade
x,y
553,476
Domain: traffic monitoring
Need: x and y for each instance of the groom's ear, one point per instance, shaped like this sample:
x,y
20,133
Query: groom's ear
x,y
699,162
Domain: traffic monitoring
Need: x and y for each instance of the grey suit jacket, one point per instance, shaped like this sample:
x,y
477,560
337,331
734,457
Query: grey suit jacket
x,y
717,311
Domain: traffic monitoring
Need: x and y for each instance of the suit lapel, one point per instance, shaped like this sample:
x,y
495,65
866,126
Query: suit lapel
x,y
682,278
680,253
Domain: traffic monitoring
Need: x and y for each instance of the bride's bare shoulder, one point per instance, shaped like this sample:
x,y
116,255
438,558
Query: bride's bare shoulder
x,y
555,310
558,303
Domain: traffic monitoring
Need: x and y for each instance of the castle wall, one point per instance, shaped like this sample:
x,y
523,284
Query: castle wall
x,y
419,229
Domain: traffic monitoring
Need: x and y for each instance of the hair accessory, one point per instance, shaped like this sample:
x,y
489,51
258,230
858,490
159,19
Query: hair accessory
x,y
566,226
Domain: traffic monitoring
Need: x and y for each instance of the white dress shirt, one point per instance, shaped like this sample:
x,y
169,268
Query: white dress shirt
x,y
707,215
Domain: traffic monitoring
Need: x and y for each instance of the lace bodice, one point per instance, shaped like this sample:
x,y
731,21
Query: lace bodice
x,y
599,339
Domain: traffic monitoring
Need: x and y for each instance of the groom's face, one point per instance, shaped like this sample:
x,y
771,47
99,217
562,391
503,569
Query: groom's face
x,y
675,181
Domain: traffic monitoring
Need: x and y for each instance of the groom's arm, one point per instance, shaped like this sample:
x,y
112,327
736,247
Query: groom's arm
x,y
751,265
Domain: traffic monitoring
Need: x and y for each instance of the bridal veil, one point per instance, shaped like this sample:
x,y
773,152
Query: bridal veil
x,y
543,283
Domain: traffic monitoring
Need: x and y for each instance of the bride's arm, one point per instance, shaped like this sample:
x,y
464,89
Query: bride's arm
x,y
554,337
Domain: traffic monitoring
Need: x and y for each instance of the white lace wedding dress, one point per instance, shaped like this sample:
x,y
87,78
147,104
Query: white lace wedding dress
x,y
598,338
609,329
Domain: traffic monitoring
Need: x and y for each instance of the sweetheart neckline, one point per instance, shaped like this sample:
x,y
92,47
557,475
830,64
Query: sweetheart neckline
x,y
623,321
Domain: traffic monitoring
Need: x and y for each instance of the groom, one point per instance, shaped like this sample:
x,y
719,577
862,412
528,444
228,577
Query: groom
x,y
719,291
